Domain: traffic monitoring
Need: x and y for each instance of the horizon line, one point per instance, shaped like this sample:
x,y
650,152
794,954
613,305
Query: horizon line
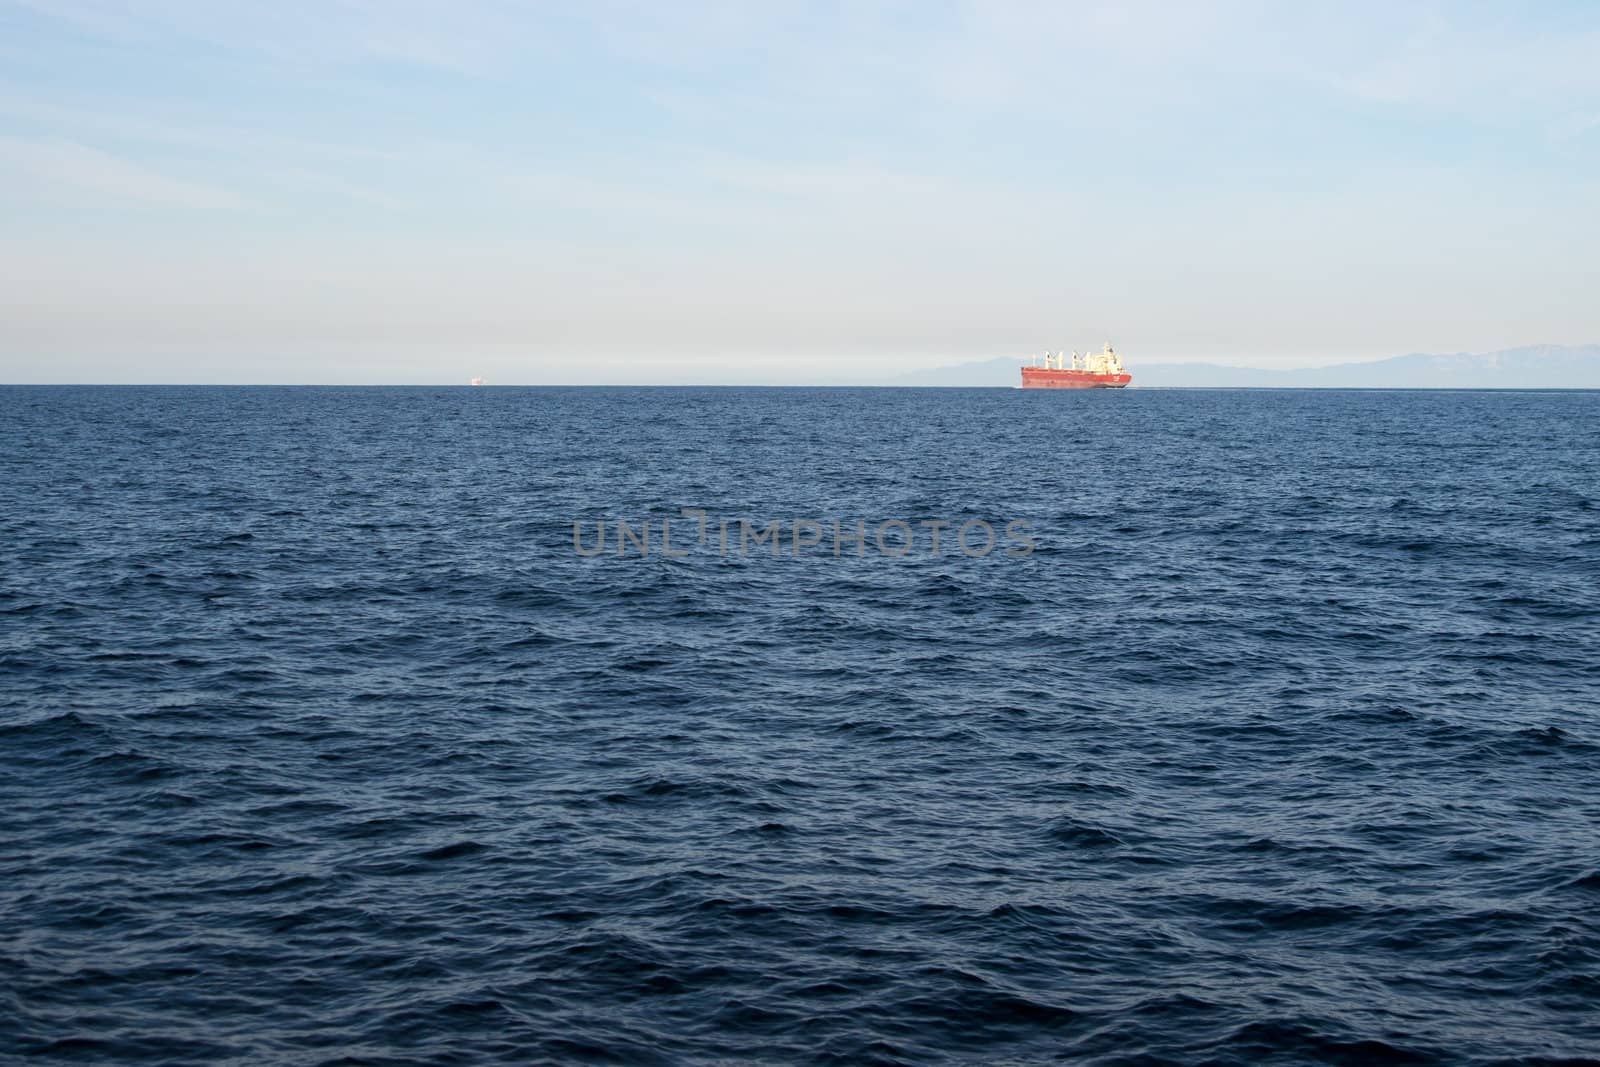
x,y
814,385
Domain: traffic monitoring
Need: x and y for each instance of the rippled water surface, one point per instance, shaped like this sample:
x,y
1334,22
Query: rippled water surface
x,y
319,741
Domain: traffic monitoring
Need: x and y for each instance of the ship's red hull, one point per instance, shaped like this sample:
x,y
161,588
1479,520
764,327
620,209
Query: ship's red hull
x,y
1040,378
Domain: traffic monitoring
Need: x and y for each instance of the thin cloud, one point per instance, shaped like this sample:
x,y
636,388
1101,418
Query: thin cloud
x,y
85,123
57,164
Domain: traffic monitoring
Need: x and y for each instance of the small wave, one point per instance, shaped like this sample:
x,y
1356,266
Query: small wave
x,y
1079,834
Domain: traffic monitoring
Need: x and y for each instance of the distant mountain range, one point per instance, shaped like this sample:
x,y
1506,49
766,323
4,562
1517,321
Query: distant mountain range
x,y
1533,367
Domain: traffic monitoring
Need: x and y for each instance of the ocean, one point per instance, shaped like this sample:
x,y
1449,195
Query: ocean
x,y
380,725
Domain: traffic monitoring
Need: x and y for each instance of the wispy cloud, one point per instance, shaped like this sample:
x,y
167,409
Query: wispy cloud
x,y
467,38
1576,125
191,128
1422,62
54,164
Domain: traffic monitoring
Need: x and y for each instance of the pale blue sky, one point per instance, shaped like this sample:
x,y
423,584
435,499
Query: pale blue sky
x,y
394,191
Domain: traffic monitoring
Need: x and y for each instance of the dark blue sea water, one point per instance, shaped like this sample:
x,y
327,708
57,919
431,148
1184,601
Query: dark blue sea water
x,y
319,742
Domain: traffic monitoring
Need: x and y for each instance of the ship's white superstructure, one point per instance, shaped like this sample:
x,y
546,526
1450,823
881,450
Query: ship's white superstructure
x,y
1105,361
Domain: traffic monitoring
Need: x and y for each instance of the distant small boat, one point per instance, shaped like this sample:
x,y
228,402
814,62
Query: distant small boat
x,y
476,381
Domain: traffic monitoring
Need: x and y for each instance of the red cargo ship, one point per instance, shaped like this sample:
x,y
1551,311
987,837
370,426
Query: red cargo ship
x,y
1093,370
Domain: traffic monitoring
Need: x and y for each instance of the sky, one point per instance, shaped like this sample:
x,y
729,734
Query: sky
x,y
408,191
